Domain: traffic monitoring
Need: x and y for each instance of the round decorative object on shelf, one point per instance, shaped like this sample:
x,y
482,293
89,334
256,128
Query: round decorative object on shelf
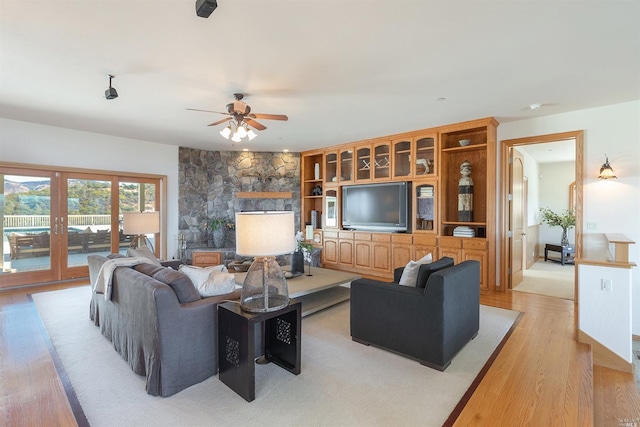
x,y
464,142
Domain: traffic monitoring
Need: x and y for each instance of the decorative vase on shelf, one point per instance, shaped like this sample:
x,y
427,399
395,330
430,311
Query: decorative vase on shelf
x,y
564,241
219,237
297,262
316,171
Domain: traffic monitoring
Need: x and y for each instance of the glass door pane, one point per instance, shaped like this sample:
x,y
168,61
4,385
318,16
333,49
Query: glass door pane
x,y
86,227
136,197
25,227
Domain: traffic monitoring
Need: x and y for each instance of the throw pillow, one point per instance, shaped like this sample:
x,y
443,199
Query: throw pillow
x,y
180,283
147,268
410,273
427,269
143,252
210,281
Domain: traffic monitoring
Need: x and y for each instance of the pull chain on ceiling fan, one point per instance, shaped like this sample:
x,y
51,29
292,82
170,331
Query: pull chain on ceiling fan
x,y
241,120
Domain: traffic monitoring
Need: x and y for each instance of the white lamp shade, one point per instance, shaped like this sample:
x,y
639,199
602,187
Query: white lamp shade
x,y
265,233
141,222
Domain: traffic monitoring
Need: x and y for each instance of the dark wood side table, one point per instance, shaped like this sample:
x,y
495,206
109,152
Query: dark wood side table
x,y
236,344
566,253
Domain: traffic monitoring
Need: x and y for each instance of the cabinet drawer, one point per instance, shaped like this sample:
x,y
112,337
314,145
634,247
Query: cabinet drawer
x,y
420,239
474,244
450,242
363,236
401,238
381,237
205,259
345,234
330,234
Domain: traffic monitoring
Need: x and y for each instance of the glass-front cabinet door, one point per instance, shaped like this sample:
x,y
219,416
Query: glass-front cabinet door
x,y
346,165
381,162
425,160
363,164
401,158
331,167
425,207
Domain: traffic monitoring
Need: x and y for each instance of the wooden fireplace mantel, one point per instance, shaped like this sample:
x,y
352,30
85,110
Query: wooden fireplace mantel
x,y
264,195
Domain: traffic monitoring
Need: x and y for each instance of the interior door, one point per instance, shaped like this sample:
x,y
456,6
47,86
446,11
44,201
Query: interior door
x,y
516,217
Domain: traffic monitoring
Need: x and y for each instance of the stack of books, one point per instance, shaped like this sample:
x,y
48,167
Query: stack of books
x,y
464,231
426,191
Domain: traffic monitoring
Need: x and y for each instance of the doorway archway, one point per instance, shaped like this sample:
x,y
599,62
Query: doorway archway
x,y
505,155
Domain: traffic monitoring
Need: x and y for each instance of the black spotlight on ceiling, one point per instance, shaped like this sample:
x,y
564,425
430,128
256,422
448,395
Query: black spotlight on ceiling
x,y
110,93
204,8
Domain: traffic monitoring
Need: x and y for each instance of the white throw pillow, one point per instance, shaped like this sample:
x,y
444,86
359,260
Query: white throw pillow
x,y
410,273
210,281
143,252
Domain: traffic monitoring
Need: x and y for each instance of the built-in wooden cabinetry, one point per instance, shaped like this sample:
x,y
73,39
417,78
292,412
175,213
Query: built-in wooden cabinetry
x,y
430,159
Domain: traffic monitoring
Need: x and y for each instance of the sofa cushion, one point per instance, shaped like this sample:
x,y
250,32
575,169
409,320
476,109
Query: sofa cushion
x,y
427,269
180,283
210,281
410,274
143,252
147,268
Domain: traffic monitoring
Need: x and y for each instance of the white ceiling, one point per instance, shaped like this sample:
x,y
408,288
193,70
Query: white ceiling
x,y
551,152
341,70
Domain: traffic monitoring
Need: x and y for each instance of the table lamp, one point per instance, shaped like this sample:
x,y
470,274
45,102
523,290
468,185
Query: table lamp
x,y
263,235
140,224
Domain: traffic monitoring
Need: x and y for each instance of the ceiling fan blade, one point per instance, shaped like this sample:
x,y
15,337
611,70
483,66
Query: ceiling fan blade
x,y
220,121
253,123
208,111
269,116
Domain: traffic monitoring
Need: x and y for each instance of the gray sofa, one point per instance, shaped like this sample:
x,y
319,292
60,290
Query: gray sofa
x,y
430,322
173,344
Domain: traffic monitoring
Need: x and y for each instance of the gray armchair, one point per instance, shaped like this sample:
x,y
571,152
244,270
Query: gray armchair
x,y
429,324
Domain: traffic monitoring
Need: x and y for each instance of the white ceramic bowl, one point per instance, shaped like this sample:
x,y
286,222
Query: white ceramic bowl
x,y
464,142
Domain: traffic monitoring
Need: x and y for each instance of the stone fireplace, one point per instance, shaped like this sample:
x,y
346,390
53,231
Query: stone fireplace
x,y
217,184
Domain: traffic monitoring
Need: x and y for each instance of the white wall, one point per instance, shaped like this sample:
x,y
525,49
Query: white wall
x,y
613,206
554,180
23,142
606,316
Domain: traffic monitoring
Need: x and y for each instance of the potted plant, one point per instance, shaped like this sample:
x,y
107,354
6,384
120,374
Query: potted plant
x,y
566,219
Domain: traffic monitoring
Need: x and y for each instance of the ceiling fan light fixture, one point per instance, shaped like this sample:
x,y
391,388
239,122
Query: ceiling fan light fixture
x,y
241,132
236,137
251,134
226,132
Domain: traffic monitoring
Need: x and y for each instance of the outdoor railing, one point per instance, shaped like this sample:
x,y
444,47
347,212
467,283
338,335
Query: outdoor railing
x,y
37,221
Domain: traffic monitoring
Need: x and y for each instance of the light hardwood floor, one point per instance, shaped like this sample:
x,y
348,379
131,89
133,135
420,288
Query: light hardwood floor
x,y
542,376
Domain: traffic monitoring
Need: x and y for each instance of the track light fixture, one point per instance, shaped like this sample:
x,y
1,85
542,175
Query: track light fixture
x,y
110,93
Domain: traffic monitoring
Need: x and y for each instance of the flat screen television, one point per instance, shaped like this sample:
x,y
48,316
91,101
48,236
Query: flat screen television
x,y
377,207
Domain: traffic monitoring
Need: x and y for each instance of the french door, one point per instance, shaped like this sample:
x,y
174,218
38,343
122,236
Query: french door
x,y
52,220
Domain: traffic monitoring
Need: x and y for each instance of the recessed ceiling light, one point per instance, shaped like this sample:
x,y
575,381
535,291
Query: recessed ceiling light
x,y
245,149
286,150
534,106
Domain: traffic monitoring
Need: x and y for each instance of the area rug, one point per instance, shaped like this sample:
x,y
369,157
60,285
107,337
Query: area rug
x,y
550,279
342,382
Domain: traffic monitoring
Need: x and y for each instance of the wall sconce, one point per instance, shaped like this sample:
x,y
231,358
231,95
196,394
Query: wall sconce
x,y
606,172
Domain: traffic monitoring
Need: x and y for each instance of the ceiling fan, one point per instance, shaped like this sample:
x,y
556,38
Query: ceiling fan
x,y
241,119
